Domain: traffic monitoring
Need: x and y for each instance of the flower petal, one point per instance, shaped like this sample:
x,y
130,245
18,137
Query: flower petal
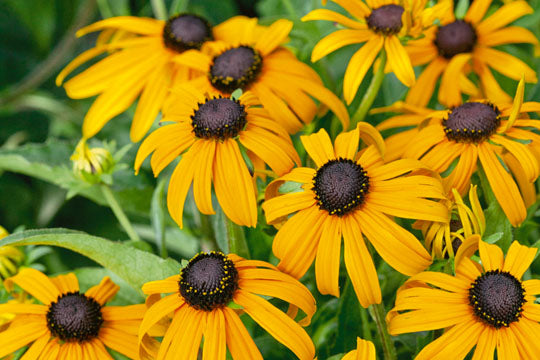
x,y
328,257
518,259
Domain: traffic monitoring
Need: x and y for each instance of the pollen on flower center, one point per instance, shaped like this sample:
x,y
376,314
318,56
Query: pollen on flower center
x,y
455,38
186,31
340,186
219,118
74,317
386,19
235,68
208,281
497,298
472,122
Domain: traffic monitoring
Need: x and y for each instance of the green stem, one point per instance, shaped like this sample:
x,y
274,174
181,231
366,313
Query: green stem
x,y
378,313
366,333
158,6
119,213
290,9
371,93
236,238
178,6
207,232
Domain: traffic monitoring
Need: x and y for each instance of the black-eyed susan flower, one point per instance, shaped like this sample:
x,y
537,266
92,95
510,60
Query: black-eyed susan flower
x,y
140,65
444,239
488,306
380,25
350,195
69,324
365,350
212,129
488,133
10,257
251,57
460,46
207,297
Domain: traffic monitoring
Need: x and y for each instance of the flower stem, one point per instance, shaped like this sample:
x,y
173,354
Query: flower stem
x,y
371,93
236,238
378,313
158,6
119,213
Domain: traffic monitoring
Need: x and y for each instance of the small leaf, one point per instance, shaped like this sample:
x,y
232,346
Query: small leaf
x,y
136,267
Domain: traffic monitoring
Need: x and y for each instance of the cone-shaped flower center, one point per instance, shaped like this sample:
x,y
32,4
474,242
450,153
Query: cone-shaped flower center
x,y
472,122
74,317
340,186
219,118
386,19
497,298
455,38
208,281
235,68
186,31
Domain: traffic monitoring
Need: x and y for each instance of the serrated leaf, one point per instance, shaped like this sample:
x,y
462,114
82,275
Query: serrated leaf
x,y
136,267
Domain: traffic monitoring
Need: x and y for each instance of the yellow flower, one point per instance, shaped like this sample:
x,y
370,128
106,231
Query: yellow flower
x,y
488,133
90,163
68,324
141,62
443,239
380,23
485,305
200,300
10,257
212,130
365,350
352,194
251,57
458,47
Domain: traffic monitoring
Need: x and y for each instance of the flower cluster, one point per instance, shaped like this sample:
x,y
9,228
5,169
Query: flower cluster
x,y
240,128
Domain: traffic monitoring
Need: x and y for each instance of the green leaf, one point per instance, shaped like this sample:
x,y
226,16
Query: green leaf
x,y
136,267
157,217
348,318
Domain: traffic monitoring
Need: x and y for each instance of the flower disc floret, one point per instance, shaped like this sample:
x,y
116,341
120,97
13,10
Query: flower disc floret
x,y
208,281
340,186
497,298
186,31
235,68
455,38
472,122
74,317
219,118
386,19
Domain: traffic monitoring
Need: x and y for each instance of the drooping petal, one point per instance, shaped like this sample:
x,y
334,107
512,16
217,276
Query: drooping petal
x,y
233,184
239,341
328,257
276,323
215,336
358,66
399,61
359,264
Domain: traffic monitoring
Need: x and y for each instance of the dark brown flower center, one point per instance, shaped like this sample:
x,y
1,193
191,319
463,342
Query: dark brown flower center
x,y
497,298
208,281
219,118
340,186
74,317
386,19
235,68
186,31
472,122
455,38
